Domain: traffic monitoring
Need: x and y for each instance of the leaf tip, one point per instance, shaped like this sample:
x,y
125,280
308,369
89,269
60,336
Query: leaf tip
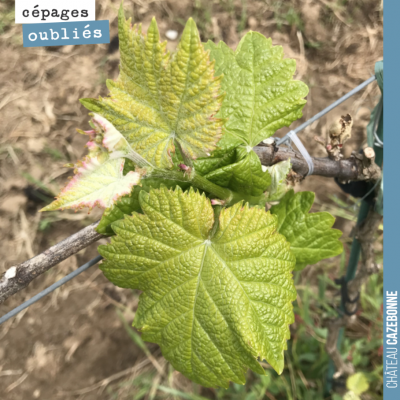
x,y
50,207
153,30
121,14
191,28
90,104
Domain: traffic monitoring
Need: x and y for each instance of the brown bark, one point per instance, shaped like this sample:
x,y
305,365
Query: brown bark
x,y
351,169
18,277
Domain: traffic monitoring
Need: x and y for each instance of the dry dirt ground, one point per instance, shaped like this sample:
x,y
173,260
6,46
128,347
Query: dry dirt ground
x,y
72,344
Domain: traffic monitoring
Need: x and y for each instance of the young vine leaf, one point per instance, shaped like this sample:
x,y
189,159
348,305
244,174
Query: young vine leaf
x,y
115,143
261,97
99,178
310,235
159,99
214,302
128,204
243,175
278,187
96,183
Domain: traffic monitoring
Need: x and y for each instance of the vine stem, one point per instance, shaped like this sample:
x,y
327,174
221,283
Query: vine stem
x,y
196,180
228,196
350,169
19,276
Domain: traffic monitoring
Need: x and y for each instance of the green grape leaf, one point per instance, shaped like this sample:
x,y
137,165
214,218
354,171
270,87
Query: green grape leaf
x,y
158,99
261,95
126,205
214,302
129,203
219,158
244,175
310,235
278,173
98,181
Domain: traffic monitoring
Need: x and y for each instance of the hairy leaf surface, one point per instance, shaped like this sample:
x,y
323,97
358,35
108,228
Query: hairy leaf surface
x,y
310,235
213,304
158,98
96,183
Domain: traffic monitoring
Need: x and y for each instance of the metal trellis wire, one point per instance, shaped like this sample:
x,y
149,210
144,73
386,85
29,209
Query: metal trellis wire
x,y
51,288
95,260
286,138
